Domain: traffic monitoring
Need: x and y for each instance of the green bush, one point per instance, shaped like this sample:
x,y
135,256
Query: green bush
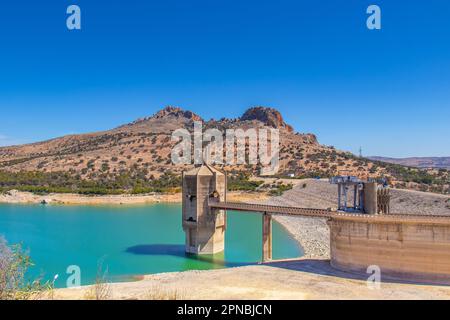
x,y
241,182
134,181
14,264
280,189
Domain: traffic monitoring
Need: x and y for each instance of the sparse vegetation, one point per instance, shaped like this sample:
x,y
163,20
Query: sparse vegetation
x,y
427,180
280,188
116,162
241,182
101,290
63,182
164,293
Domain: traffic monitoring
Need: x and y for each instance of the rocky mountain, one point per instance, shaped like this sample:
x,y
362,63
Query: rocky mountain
x,y
418,162
268,116
143,148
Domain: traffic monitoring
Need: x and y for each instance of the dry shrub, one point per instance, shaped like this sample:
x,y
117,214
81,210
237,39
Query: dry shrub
x,y
101,290
164,293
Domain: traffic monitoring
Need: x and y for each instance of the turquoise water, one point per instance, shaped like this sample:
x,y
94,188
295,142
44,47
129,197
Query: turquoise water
x,y
130,240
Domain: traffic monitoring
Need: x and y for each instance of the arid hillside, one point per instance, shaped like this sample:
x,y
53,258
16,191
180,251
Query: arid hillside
x,y
418,162
141,151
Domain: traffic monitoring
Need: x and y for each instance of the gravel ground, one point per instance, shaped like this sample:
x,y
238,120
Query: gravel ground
x,y
313,233
300,279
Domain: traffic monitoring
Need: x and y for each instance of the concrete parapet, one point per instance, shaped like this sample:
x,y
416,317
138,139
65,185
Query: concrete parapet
x,y
411,250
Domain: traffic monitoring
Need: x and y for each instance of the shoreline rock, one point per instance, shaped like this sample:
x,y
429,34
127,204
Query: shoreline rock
x,y
20,197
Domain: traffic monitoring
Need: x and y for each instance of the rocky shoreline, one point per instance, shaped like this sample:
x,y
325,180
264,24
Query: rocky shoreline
x,y
19,197
311,233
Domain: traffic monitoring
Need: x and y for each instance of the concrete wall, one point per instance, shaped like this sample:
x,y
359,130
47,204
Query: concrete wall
x,y
411,250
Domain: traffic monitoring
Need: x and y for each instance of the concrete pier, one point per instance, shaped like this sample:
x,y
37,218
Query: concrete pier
x,y
266,237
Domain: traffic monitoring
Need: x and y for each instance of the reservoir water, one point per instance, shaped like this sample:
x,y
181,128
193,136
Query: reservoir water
x,y
130,240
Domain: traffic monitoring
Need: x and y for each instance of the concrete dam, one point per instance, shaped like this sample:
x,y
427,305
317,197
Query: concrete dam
x,y
364,234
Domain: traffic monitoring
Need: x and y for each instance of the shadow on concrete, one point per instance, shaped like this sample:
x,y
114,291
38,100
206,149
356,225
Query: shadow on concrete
x,y
323,267
177,250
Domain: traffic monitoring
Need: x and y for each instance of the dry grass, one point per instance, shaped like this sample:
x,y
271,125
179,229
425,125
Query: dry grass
x,y
165,293
101,290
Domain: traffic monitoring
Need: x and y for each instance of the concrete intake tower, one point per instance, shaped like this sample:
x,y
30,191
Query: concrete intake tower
x,y
204,227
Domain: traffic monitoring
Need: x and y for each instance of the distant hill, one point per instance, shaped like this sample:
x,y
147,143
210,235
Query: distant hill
x,y
145,145
418,162
137,153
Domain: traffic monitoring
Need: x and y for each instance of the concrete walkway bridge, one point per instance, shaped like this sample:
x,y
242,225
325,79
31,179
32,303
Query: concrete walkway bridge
x,y
269,210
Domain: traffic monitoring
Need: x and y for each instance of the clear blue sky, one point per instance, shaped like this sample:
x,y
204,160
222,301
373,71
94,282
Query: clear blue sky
x,y
387,91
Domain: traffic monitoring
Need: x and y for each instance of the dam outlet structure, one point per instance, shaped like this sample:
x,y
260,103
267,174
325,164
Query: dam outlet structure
x,y
363,231
204,227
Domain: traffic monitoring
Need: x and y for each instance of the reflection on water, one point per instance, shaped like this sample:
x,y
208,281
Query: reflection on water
x,y
217,259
